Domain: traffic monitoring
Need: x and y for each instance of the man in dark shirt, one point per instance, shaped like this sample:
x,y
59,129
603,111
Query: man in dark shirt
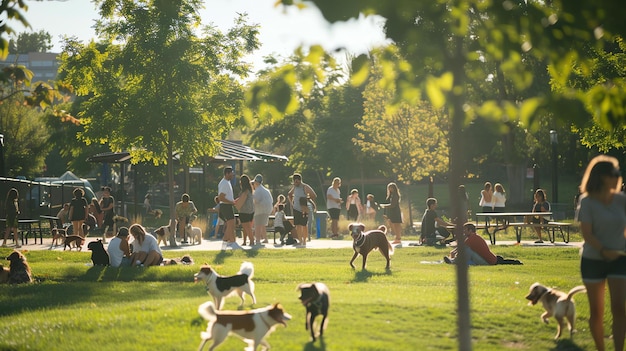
x,y
433,227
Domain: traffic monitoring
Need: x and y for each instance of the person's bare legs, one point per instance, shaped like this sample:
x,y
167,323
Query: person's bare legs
x,y
153,258
617,291
396,228
595,295
247,232
229,231
301,234
334,227
538,231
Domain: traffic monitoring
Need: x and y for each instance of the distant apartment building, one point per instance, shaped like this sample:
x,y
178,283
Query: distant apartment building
x,y
44,65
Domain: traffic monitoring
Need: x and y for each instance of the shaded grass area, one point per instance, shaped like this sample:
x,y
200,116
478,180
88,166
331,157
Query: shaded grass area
x,y
75,306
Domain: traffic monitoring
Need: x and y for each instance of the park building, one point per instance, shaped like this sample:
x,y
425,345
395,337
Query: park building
x,y
44,65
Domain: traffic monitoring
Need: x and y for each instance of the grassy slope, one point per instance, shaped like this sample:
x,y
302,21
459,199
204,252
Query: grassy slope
x,y
78,307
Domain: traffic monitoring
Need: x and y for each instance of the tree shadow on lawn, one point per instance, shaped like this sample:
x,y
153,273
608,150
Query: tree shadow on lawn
x,y
365,275
566,345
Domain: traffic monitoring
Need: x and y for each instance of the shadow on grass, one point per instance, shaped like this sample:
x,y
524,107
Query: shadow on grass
x,y
312,345
365,275
566,345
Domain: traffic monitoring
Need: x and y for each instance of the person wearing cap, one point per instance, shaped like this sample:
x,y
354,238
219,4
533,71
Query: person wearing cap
x,y
263,207
119,249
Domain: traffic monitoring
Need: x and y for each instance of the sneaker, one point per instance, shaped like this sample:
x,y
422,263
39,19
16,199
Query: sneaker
x,y
234,245
447,260
17,246
539,242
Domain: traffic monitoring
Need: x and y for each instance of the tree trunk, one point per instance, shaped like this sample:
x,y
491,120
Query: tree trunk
x,y
170,177
457,118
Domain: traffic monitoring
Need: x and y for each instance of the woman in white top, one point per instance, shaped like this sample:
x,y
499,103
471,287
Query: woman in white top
x,y
486,198
147,251
499,198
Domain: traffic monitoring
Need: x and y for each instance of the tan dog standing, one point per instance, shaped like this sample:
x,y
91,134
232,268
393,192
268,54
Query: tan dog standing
x,y
363,243
557,304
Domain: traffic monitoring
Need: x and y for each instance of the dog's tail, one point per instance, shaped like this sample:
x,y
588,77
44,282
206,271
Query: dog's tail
x,y
207,311
383,228
575,290
247,268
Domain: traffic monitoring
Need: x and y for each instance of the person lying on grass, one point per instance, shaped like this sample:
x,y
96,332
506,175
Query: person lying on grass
x,y
478,252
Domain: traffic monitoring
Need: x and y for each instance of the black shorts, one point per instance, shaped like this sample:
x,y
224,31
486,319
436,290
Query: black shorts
x,y
593,271
333,213
246,217
299,218
226,212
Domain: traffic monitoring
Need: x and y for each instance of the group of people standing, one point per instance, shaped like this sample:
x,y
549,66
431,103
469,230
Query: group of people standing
x,y
356,210
254,205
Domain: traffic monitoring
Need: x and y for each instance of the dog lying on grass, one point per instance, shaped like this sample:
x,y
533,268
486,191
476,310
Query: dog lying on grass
x,y
19,270
252,326
557,304
363,243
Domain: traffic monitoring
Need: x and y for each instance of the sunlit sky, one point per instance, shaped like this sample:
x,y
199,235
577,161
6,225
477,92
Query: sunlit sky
x,y
281,30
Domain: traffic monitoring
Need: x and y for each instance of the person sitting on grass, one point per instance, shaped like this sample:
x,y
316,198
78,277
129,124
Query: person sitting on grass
x,y
433,227
119,249
478,253
147,251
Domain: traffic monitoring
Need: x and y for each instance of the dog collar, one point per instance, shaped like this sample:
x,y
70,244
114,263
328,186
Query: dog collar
x,y
360,241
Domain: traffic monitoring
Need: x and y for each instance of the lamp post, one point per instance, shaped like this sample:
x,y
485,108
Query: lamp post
x,y
555,183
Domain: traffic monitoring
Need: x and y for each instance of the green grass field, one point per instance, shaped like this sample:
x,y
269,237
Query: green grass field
x,y
74,306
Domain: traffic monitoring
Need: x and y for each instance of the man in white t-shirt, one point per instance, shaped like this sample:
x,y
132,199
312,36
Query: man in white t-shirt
x,y
226,210
333,205
263,205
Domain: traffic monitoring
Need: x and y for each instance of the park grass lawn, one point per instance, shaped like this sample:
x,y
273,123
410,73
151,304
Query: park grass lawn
x,y
75,306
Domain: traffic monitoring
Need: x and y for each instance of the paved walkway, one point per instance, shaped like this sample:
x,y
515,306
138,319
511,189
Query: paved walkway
x,y
216,245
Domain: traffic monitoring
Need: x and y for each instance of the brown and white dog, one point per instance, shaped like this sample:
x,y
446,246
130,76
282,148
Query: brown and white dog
x,y
221,287
557,304
77,240
252,326
363,243
19,270
162,234
316,298
58,236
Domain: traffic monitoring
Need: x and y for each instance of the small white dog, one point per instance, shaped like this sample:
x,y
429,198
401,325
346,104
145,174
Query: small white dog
x,y
194,234
252,326
221,287
557,304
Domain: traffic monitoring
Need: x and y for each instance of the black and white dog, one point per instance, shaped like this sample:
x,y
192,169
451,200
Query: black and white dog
x,y
99,255
221,287
316,298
